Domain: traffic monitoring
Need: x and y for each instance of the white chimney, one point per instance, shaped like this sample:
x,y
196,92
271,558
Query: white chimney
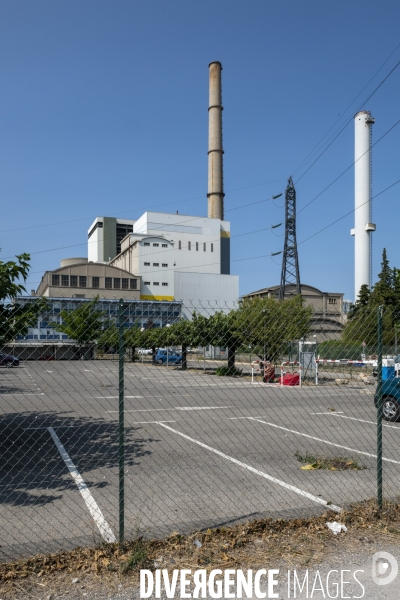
x,y
363,229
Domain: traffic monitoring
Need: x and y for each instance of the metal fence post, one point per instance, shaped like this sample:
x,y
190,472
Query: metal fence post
x,y
379,414
121,432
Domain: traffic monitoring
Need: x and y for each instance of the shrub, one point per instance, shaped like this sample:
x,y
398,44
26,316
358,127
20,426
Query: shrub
x,y
228,372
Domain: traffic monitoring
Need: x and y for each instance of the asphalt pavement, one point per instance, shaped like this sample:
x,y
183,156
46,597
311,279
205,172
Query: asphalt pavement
x,y
200,451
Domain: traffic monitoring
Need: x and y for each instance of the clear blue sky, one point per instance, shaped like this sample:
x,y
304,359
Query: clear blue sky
x,y
103,111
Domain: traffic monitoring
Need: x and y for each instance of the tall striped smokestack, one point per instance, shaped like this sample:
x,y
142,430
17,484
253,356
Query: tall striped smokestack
x,y
215,164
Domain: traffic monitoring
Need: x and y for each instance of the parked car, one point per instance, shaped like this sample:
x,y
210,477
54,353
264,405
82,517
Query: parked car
x,y
390,399
8,360
163,355
145,351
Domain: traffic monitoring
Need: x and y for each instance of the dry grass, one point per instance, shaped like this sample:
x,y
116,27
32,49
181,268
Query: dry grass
x,y
298,542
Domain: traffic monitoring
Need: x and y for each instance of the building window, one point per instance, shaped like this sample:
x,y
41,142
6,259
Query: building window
x,y
74,280
179,245
156,283
156,264
332,300
156,245
117,283
147,243
82,281
125,283
164,245
133,284
189,245
122,230
108,283
204,246
65,280
165,264
146,282
197,246
212,247
146,264
55,280
165,284
95,282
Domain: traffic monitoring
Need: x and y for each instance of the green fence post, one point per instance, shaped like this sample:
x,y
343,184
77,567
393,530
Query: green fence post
x,y
379,414
121,432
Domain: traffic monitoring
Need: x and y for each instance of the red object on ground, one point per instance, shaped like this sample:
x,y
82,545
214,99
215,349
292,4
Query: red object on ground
x,y
291,379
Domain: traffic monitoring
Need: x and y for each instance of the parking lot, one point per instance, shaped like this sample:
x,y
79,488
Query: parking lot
x,y
201,451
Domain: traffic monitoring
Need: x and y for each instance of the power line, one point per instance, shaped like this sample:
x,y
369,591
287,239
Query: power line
x,y
192,218
151,208
348,168
270,255
348,122
349,213
345,110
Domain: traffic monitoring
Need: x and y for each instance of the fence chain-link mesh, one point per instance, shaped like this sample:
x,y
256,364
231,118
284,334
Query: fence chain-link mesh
x,y
241,414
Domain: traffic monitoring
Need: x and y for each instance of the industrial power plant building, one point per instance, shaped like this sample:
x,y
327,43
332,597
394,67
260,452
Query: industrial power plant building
x,y
178,257
175,257
329,314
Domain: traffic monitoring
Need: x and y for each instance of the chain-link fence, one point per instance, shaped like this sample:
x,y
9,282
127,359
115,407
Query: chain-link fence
x,y
121,419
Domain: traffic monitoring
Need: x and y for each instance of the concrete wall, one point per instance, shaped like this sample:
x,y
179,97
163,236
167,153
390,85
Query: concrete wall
x,y
206,293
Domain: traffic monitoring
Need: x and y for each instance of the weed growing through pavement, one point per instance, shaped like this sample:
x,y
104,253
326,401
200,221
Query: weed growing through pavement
x,y
336,463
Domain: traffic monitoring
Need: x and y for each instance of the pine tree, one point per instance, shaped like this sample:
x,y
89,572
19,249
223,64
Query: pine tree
x,y
383,292
364,298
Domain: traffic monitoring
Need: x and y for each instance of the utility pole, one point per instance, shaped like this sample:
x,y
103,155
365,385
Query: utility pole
x,y
290,263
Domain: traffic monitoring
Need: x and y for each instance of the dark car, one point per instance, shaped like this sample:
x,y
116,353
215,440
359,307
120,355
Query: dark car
x,y
390,399
8,360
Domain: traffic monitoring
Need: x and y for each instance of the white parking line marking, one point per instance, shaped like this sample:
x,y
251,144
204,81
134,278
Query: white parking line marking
x,y
283,484
141,410
137,422
175,408
200,407
363,421
23,394
336,412
321,440
113,397
104,528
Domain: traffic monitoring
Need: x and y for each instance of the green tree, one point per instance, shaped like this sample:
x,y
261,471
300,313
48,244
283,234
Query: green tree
x,y
383,291
363,300
15,318
109,337
268,324
85,324
136,338
362,319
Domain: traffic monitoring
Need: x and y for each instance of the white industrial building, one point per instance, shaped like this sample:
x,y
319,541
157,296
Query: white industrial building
x,y
178,257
